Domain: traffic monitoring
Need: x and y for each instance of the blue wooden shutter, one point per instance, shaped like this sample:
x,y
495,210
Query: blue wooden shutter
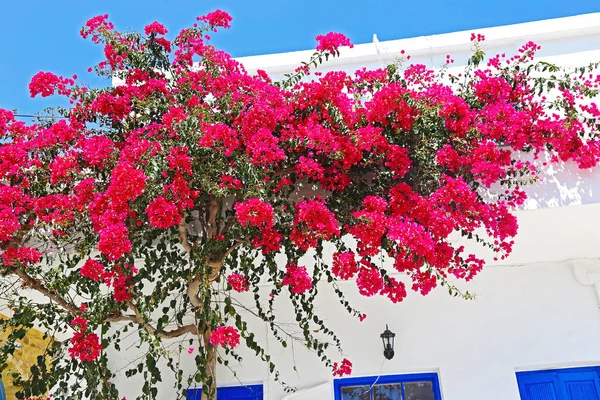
x,y
251,392
561,384
538,386
580,385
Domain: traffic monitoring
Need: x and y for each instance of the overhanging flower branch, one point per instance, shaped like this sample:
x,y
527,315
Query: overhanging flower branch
x,y
328,46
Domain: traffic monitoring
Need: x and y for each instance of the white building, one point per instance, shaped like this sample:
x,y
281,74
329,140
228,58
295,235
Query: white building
x,y
536,311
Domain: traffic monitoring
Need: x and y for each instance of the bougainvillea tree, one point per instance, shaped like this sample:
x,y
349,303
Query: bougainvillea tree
x,y
152,202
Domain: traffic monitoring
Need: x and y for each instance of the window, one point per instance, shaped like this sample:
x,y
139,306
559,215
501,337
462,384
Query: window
x,y
389,387
560,384
250,392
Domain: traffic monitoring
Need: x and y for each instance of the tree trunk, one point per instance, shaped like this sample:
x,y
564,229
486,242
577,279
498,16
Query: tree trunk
x,y
210,368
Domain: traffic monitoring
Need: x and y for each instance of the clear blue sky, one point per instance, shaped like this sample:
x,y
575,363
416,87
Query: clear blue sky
x,y
44,34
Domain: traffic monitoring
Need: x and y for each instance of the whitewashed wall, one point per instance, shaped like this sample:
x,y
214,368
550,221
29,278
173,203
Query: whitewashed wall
x,y
530,312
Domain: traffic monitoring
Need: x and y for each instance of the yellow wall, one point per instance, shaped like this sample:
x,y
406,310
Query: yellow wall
x,y
32,345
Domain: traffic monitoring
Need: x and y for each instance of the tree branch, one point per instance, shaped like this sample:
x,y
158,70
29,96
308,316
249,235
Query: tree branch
x,y
183,236
193,290
139,318
211,221
215,268
29,282
35,284
120,318
284,171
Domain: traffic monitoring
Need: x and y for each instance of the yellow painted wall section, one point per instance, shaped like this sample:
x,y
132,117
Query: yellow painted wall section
x,y
32,345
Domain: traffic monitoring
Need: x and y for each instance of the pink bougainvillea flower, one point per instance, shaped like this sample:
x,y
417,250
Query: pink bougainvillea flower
x,y
238,283
342,369
313,222
217,18
156,28
46,84
225,336
92,269
255,212
297,278
163,213
332,41
23,255
85,346
344,265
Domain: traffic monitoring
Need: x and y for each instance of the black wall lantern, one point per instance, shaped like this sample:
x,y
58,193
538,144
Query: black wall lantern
x,y
387,337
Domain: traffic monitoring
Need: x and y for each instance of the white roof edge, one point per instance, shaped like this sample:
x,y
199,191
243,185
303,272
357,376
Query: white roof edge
x,y
566,27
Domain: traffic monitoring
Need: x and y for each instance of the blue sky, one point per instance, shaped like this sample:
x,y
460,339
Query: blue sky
x,y
44,34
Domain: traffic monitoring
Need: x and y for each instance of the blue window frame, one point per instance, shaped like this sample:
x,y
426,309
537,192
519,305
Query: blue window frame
x,y
560,384
250,392
2,392
389,387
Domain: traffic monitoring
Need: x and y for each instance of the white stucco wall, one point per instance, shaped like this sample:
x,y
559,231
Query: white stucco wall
x,y
527,317
532,314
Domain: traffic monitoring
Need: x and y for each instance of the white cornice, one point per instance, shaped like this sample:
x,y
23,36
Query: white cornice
x,y
387,51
